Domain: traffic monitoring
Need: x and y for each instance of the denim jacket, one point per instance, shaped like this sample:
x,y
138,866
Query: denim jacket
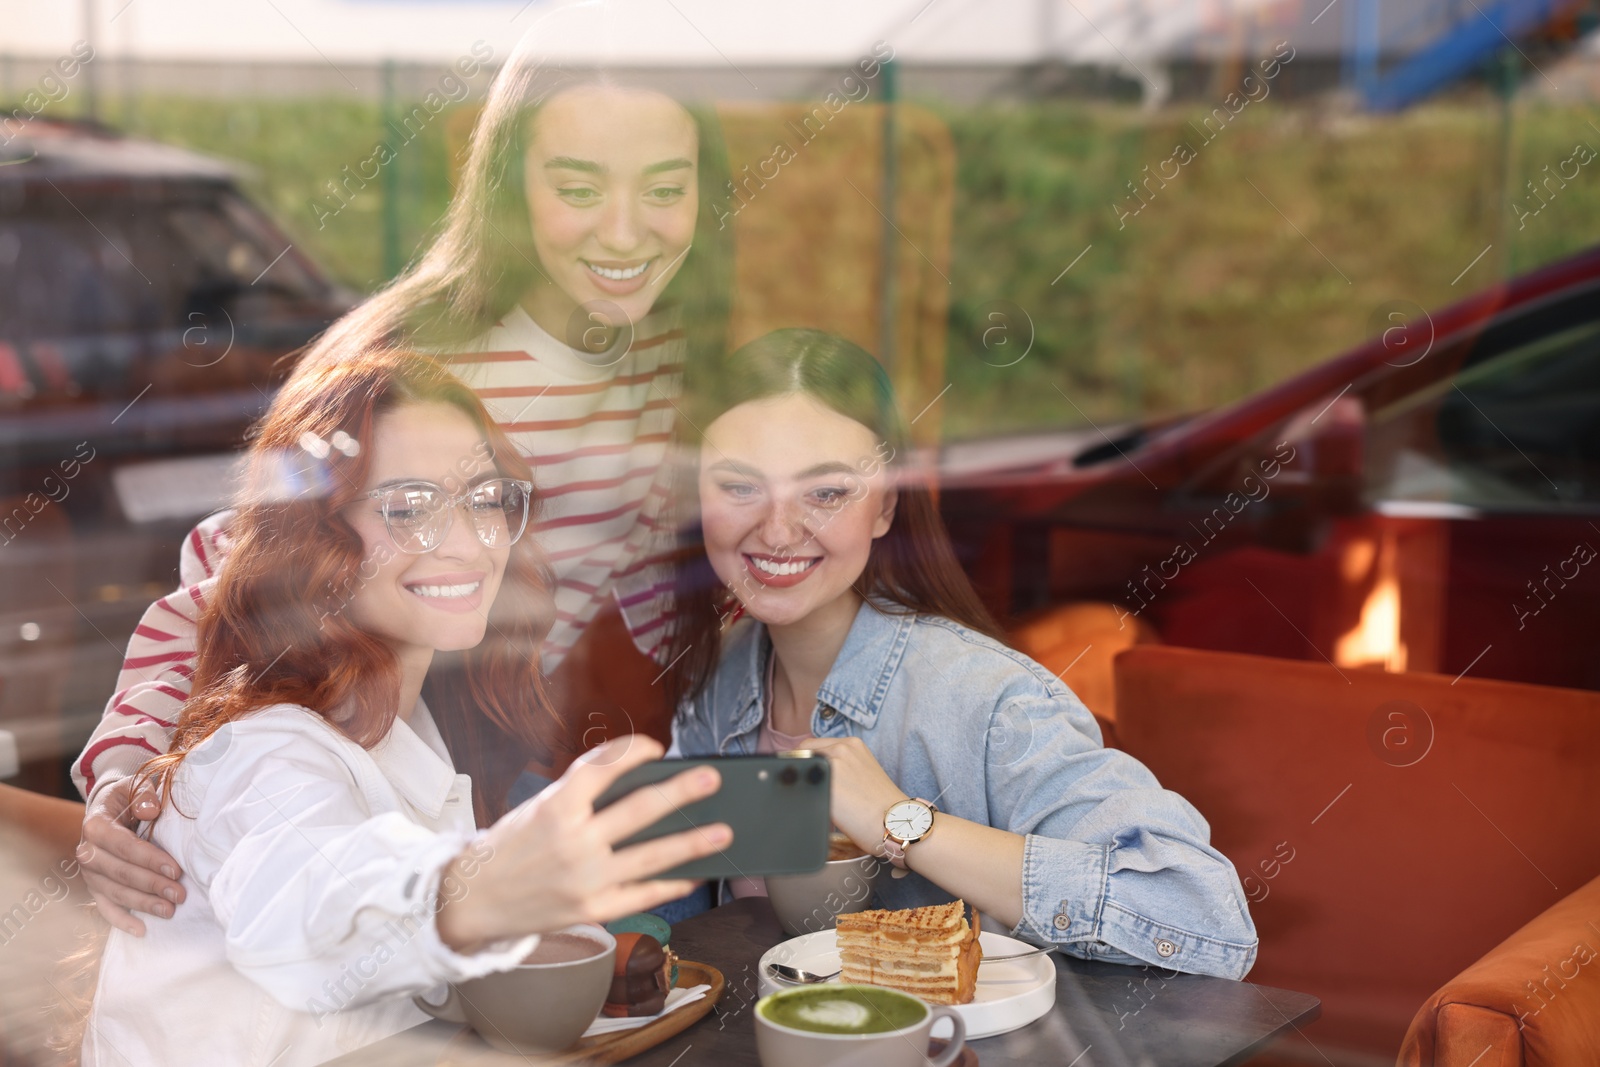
x,y
1114,867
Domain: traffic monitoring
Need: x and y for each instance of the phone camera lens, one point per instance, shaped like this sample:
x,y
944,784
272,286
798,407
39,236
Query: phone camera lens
x,y
814,776
789,776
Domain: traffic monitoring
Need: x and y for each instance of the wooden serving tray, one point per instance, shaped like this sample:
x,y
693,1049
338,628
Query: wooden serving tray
x,y
468,1048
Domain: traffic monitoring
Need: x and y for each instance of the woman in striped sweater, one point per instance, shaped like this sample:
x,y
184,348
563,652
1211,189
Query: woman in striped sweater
x,y
581,277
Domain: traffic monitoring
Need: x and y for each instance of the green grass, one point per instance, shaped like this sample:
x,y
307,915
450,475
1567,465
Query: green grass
x,y
294,149
1216,289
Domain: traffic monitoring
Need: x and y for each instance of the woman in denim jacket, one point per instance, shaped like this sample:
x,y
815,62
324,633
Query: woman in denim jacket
x,y
828,610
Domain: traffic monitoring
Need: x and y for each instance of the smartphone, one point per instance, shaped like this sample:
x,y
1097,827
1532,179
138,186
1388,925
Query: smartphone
x,y
776,805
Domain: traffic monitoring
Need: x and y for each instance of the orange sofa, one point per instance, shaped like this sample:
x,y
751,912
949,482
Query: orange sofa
x,y
1533,1000
1390,830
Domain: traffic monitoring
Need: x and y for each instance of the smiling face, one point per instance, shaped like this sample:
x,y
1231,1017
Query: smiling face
x,y
436,600
792,495
611,180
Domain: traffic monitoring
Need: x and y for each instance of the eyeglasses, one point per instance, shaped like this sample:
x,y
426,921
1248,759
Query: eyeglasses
x,y
418,514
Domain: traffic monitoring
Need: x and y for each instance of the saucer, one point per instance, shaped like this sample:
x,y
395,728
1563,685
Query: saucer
x,y
1010,995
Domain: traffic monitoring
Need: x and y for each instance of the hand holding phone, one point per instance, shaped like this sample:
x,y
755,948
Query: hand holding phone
x,y
556,860
776,805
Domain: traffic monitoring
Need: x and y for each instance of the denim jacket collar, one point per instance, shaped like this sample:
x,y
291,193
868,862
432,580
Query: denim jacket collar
x,y
859,679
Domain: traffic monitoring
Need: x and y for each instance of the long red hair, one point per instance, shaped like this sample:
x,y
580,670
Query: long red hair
x,y
275,630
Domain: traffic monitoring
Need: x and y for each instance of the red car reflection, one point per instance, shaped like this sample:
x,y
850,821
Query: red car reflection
x,y
1428,502
146,306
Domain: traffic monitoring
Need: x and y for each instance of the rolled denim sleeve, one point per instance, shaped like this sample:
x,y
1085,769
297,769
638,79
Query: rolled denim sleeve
x,y
1114,866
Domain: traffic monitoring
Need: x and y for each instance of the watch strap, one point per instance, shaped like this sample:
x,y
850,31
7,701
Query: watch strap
x,y
894,848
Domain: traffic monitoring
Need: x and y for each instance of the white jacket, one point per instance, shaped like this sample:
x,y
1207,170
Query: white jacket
x,y
313,875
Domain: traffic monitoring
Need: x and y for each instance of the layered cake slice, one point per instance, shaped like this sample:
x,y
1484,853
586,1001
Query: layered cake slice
x,y
931,952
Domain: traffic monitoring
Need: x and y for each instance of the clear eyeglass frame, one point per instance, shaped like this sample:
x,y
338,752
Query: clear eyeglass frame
x,y
419,514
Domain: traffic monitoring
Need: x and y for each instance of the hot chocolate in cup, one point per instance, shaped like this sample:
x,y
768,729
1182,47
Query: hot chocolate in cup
x,y
840,847
806,903
832,1025
545,1003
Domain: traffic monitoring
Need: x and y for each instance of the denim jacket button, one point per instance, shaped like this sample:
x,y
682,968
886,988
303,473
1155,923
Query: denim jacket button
x,y
827,712
1165,948
1061,922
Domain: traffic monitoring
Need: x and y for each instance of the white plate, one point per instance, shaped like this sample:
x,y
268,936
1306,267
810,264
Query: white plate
x,y
1010,994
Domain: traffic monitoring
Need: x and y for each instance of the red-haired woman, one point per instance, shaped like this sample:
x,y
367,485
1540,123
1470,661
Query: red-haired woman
x,y
367,685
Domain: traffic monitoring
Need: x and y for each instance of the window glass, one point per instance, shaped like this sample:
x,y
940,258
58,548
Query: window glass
x,y
62,275
1514,430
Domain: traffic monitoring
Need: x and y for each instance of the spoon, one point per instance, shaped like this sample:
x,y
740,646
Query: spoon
x,y
801,976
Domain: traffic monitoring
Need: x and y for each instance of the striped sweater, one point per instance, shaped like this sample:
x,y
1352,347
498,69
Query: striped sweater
x,y
596,432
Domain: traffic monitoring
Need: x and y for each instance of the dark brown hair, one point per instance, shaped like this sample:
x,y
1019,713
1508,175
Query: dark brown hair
x,y
912,568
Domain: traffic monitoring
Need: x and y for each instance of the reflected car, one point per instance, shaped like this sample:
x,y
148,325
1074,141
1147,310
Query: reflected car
x,y
1429,501
146,307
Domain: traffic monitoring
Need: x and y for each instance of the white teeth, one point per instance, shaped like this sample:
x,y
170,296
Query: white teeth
x,y
444,590
618,275
778,570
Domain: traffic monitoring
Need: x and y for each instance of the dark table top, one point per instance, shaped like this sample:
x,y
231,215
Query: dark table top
x,y
1106,1015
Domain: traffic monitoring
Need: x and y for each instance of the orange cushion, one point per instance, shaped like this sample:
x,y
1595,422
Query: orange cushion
x,y
1079,644
1533,1000
1389,829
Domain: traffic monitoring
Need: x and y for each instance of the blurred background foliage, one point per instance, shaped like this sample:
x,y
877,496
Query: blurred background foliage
x,y
1269,252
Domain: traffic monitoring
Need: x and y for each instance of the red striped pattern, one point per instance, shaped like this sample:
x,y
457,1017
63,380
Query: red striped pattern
x,y
197,543
489,357
142,716
135,663
548,425
648,594
587,520
551,459
519,392
653,625
155,679
518,355
165,605
172,691
563,489
87,760
584,551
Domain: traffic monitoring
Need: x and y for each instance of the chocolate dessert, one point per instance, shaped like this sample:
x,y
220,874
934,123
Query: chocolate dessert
x,y
640,977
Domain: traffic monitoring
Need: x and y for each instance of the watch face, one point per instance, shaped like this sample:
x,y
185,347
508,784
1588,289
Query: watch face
x,y
908,820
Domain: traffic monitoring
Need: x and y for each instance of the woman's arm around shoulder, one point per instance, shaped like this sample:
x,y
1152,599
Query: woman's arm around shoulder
x,y
124,873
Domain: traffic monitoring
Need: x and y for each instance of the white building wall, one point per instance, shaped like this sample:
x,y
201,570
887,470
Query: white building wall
x,y
654,32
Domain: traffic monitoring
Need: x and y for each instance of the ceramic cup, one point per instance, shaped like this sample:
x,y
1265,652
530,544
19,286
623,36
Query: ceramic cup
x,y
806,903
535,1007
852,1026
